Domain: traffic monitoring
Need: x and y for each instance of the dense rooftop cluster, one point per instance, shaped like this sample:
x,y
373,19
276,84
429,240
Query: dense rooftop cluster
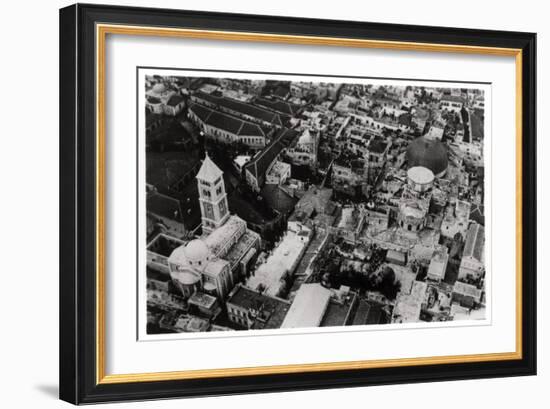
x,y
276,204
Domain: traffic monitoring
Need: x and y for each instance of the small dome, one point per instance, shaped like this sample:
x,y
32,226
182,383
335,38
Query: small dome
x,y
196,252
159,88
430,154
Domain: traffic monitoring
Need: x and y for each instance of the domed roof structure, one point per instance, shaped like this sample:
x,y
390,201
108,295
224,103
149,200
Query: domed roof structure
x,y
431,154
159,88
197,252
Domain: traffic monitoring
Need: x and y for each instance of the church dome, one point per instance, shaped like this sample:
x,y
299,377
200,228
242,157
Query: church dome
x,y
197,252
431,154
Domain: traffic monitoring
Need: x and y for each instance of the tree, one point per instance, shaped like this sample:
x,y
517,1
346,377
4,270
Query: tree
x,y
386,284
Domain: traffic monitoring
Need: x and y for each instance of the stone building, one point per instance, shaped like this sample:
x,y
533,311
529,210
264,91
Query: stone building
x,y
218,260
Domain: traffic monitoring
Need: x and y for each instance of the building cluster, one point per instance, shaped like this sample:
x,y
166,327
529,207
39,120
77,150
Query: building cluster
x,y
379,190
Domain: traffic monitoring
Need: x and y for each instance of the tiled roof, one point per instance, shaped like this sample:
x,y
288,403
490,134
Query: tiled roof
x,y
260,163
242,107
253,111
287,136
278,105
201,111
226,122
250,129
174,100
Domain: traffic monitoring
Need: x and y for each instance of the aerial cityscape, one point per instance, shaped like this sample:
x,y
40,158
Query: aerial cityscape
x,y
277,204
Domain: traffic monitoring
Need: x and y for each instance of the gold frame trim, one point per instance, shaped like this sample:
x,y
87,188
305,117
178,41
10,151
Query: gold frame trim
x,y
102,30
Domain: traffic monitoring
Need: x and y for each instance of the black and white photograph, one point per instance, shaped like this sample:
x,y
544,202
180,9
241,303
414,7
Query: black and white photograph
x,y
255,202
276,202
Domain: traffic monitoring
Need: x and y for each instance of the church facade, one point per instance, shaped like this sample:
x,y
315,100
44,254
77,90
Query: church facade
x,y
219,259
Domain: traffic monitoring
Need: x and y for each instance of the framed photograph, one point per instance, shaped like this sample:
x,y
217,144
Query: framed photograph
x,y
257,203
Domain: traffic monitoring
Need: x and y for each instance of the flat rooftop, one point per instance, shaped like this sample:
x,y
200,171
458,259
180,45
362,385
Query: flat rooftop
x,y
308,307
284,258
202,300
408,306
349,219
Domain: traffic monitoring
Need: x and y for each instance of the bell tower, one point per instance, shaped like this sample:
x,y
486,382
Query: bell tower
x,y
212,196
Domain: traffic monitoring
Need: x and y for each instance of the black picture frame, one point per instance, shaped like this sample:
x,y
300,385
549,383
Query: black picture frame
x,y
78,308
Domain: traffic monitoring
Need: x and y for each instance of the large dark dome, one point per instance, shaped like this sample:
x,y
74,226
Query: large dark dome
x,y
431,154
